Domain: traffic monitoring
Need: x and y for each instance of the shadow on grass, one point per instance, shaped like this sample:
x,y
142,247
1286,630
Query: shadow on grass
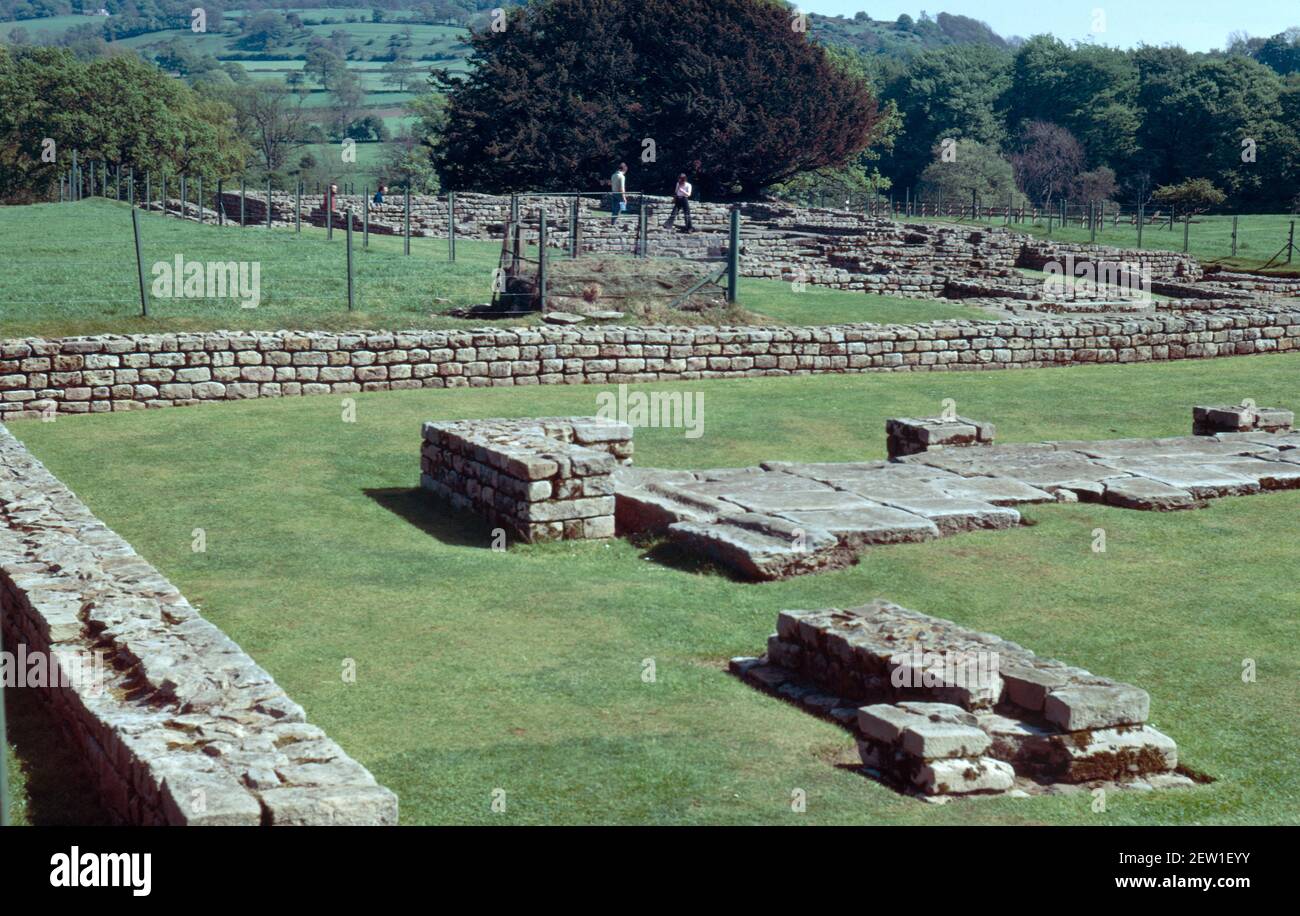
x,y
457,528
59,789
683,559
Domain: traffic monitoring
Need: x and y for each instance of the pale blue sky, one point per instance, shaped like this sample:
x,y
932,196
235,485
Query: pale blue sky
x,y
1197,25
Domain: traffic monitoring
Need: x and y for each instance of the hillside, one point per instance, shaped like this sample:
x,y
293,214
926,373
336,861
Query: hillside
x,y
904,35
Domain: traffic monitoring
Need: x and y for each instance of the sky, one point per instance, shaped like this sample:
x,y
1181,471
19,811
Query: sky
x,y
1197,25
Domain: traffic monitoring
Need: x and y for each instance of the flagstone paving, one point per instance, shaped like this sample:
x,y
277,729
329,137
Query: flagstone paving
x,y
781,519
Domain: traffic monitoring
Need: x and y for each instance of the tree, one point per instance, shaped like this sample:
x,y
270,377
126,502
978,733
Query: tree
x,y
117,108
1047,161
1096,186
722,89
1195,195
265,32
948,93
398,72
271,119
325,65
975,168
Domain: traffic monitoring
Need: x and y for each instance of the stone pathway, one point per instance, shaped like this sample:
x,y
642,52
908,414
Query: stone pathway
x,y
781,519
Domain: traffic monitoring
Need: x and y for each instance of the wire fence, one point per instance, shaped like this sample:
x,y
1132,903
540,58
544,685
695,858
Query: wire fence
x,y
1257,241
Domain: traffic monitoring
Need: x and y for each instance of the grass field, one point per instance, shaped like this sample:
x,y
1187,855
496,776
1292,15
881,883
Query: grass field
x,y
480,670
1259,237
70,269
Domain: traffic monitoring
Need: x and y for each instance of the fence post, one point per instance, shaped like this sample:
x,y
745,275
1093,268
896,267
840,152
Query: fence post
x,y
199,199
130,186
329,217
221,204
1187,230
733,255
573,228
92,178
297,207
541,257
139,262
1141,220
117,180
365,220
642,231
184,189
349,218
406,224
268,202
1290,242
1092,222
451,225
243,196
74,180
1234,236
162,203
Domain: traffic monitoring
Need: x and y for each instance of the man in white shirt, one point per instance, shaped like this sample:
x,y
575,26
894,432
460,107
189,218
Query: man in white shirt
x,y
682,202
618,192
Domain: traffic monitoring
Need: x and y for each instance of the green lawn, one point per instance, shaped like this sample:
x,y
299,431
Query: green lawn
x,y
521,671
70,269
1209,238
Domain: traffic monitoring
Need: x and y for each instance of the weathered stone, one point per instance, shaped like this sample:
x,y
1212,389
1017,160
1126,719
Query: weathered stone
x,y
1096,706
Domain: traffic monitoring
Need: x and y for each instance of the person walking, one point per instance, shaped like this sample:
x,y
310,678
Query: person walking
x,y
682,202
617,192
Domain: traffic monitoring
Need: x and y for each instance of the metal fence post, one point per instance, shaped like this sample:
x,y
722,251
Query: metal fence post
x,y
733,255
1290,242
243,197
329,217
268,202
92,178
1141,220
139,262
541,257
451,225
349,218
130,185
162,203
365,221
184,189
1092,222
573,228
221,208
199,199
297,207
642,231
406,224
1187,231
117,180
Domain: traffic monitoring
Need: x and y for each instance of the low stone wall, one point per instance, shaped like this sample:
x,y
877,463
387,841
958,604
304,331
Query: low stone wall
x,y
1163,265
181,727
112,372
541,479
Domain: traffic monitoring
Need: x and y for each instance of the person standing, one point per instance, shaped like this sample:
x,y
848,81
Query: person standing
x,y
617,192
682,202
380,192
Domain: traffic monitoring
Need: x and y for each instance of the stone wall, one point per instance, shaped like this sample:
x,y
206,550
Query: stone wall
x,y
183,728
125,372
542,479
1163,265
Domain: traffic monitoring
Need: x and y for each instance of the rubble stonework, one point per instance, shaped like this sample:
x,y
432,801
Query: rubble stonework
x,y
128,372
940,709
185,728
542,479
911,435
1241,418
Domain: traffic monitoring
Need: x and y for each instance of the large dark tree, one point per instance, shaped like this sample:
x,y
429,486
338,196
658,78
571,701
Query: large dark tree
x,y
726,90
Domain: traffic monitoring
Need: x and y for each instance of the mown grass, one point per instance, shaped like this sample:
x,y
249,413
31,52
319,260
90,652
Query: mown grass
x,y
71,269
522,671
